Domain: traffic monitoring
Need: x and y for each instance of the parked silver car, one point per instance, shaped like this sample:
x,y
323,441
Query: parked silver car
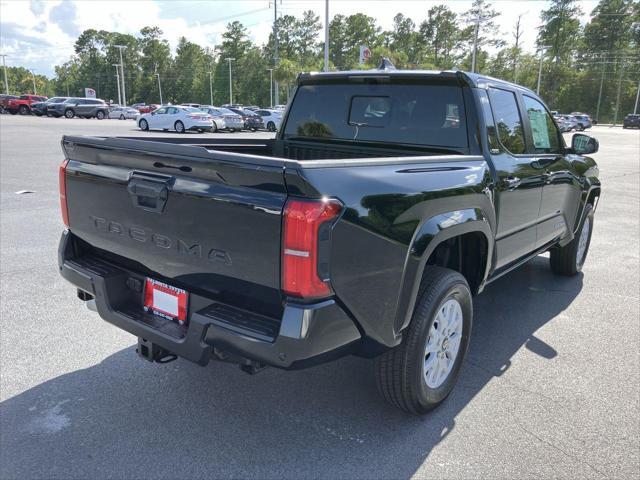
x,y
216,115
232,120
124,113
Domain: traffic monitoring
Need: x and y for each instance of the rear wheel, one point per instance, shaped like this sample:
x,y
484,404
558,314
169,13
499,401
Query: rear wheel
x,y
122,117
144,125
23,110
568,260
179,127
271,127
69,113
417,375
214,127
100,115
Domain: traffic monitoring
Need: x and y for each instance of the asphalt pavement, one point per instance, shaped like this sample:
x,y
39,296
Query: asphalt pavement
x,y
550,388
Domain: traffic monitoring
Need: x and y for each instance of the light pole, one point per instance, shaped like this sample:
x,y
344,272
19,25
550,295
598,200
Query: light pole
x,y
118,80
230,81
542,50
635,105
33,77
211,87
275,42
615,118
604,65
271,87
475,44
4,64
159,87
326,37
124,94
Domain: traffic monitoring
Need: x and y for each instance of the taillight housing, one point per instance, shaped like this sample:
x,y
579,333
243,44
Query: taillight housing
x,y
62,179
305,242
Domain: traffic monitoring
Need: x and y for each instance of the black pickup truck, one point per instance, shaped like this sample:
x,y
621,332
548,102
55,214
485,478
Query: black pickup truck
x,y
387,199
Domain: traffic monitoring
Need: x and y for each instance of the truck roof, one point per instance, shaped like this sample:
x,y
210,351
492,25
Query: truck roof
x,y
387,70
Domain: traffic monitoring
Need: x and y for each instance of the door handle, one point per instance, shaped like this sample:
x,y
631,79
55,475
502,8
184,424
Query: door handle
x,y
544,162
511,182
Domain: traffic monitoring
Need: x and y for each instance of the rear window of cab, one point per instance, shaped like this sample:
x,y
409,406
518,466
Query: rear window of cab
x,y
415,114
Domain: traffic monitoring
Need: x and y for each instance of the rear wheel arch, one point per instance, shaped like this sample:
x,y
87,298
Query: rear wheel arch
x,y
462,242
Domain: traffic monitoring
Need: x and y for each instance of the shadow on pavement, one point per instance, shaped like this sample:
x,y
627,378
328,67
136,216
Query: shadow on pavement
x,y
127,418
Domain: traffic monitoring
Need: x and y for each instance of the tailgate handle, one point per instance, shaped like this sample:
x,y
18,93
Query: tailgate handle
x,y
148,195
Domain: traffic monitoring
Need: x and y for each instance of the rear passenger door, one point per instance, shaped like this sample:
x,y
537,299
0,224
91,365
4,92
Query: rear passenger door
x,y
562,189
519,181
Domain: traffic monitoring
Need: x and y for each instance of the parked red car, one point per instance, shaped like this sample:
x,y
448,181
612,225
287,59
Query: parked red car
x,y
146,108
4,102
23,103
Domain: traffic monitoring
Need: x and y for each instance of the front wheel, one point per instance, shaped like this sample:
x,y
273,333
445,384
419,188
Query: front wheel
x,y
144,125
179,127
569,260
271,127
100,115
68,113
23,110
122,117
417,375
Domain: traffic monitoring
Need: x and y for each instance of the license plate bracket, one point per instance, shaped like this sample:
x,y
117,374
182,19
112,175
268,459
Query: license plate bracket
x,y
165,301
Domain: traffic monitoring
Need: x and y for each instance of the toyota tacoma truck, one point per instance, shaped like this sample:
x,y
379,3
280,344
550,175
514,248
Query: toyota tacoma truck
x,y
385,202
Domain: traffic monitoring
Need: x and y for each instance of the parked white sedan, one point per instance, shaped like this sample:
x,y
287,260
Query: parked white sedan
x,y
176,118
272,118
124,113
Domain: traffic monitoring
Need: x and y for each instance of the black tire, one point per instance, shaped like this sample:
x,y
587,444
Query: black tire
x,y
399,372
24,110
214,128
69,113
179,127
122,117
100,115
564,260
143,124
271,127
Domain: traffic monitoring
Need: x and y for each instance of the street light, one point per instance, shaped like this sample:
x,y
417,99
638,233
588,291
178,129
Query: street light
x,y
326,37
155,72
33,77
117,65
271,87
124,94
211,87
230,81
542,49
6,82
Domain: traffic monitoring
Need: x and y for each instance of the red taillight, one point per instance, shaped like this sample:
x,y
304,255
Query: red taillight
x,y
62,177
301,262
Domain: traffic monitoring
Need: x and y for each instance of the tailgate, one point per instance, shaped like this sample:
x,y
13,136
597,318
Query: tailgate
x,y
205,221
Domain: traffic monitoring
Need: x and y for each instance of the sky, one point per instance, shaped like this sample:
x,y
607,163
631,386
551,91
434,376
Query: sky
x,y
40,34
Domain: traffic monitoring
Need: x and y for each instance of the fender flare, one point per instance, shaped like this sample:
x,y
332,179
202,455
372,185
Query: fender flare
x,y
429,234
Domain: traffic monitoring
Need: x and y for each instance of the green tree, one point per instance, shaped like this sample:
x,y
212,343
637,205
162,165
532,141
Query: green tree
x,y
440,37
480,21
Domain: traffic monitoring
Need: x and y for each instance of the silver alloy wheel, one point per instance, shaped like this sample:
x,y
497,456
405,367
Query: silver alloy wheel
x,y
443,343
583,241
144,125
179,126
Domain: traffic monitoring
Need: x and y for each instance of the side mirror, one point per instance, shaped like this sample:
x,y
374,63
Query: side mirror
x,y
582,144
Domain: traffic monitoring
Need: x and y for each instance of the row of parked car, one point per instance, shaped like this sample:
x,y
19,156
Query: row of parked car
x,y
180,118
574,121
196,117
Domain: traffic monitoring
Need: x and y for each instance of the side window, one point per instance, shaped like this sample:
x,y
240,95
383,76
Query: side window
x,y
543,130
507,119
160,111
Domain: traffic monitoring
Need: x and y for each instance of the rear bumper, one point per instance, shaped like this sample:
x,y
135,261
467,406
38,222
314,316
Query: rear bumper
x,y
306,335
